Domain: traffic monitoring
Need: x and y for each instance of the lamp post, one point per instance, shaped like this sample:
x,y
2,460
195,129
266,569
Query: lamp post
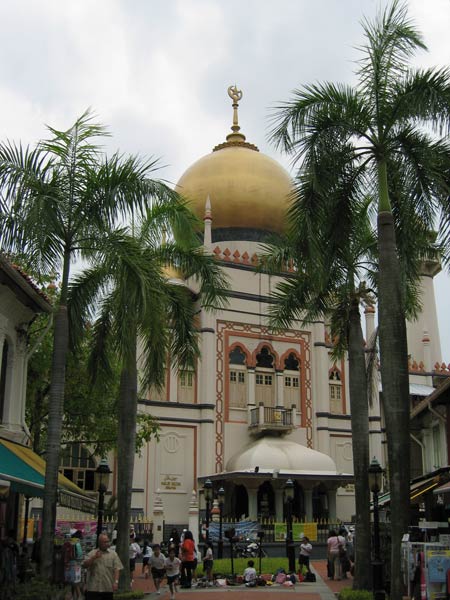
x,y
375,477
102,473
208,492
289,497
221,499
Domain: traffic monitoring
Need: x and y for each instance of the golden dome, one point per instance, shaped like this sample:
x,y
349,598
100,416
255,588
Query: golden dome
x,y
247,189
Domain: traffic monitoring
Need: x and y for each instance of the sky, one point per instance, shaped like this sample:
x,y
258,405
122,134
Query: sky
x,y
157,71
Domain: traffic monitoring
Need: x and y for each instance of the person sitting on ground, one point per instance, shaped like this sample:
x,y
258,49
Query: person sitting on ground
x,y
250,574
156,564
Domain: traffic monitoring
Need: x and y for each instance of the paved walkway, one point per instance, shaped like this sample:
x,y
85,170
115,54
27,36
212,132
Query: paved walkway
x,y
322,589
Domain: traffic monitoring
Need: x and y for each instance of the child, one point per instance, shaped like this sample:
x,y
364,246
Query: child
x,y
146,555
172,565
135,551
156,563
208,562
250,574
305,553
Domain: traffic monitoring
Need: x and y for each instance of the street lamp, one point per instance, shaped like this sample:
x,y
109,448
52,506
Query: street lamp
x,y
221,499
102,473
375,473
208,492
289,497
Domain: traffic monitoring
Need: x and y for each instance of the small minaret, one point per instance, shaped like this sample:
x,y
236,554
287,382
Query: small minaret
x,y
426,320
207,238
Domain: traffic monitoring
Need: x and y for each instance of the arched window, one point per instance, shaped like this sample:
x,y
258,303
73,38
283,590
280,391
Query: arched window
x,y
237,378
292,381
335,388
78,465
265,377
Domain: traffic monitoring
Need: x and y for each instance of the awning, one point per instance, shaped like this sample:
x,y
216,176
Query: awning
x,y
442,489
25,471
415,389
416,490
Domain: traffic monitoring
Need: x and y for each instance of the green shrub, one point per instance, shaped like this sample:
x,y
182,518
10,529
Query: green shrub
x,y
128,595
39,589
349,594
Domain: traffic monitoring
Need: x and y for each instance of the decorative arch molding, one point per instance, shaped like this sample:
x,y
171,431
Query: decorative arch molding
x,y
246,351
226,334
285,355
335,369
274,353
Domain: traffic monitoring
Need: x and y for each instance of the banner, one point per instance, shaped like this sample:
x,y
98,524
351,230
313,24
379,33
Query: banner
x,y
243,529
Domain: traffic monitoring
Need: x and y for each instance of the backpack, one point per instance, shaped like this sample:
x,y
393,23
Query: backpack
x,y
280,578
310,577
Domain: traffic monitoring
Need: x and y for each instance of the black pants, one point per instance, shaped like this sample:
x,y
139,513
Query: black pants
x,y
187,567
303,560
99,596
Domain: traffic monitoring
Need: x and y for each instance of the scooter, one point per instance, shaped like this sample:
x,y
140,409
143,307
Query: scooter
x,y
248,549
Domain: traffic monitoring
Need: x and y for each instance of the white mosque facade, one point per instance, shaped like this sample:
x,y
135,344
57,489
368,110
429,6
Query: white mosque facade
x,y
260,407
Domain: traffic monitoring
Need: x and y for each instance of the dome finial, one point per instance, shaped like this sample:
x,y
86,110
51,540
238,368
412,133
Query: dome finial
x,y
235,95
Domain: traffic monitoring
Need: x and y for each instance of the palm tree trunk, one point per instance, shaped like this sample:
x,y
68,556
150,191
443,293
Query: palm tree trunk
x,y
126,449
360,443
55,416
53,446
395,396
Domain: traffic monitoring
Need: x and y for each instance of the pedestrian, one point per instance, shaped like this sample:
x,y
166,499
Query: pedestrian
x,y
208,562
343,553
156,563
103,567
305,553
188,559
146,555
172,565
134,552
335,543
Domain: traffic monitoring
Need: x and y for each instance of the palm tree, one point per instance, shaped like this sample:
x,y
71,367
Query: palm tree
x,y
137,306
385,123
56,200
330,282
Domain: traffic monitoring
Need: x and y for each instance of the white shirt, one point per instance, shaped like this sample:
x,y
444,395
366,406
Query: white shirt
x,y
135,549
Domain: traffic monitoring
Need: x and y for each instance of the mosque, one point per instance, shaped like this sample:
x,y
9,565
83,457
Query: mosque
x,y
260,407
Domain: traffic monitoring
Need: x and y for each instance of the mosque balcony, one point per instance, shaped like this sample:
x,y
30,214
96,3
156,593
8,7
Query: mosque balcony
x,y
271,418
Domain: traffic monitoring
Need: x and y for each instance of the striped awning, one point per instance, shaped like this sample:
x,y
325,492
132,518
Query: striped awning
x,y
25,472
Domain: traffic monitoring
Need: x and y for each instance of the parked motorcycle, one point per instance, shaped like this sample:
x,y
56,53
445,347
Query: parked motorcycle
x,y
248,549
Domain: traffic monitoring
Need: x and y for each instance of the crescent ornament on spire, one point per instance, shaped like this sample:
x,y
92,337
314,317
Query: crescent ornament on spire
x,y
234,93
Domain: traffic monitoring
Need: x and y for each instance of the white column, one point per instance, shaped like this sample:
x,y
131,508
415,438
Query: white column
x,y
251,388
308,494
207,393
279,504
320,398
331,505
173,378
280,389
193,514
369,313
252,503
427,357
158,518
207,237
